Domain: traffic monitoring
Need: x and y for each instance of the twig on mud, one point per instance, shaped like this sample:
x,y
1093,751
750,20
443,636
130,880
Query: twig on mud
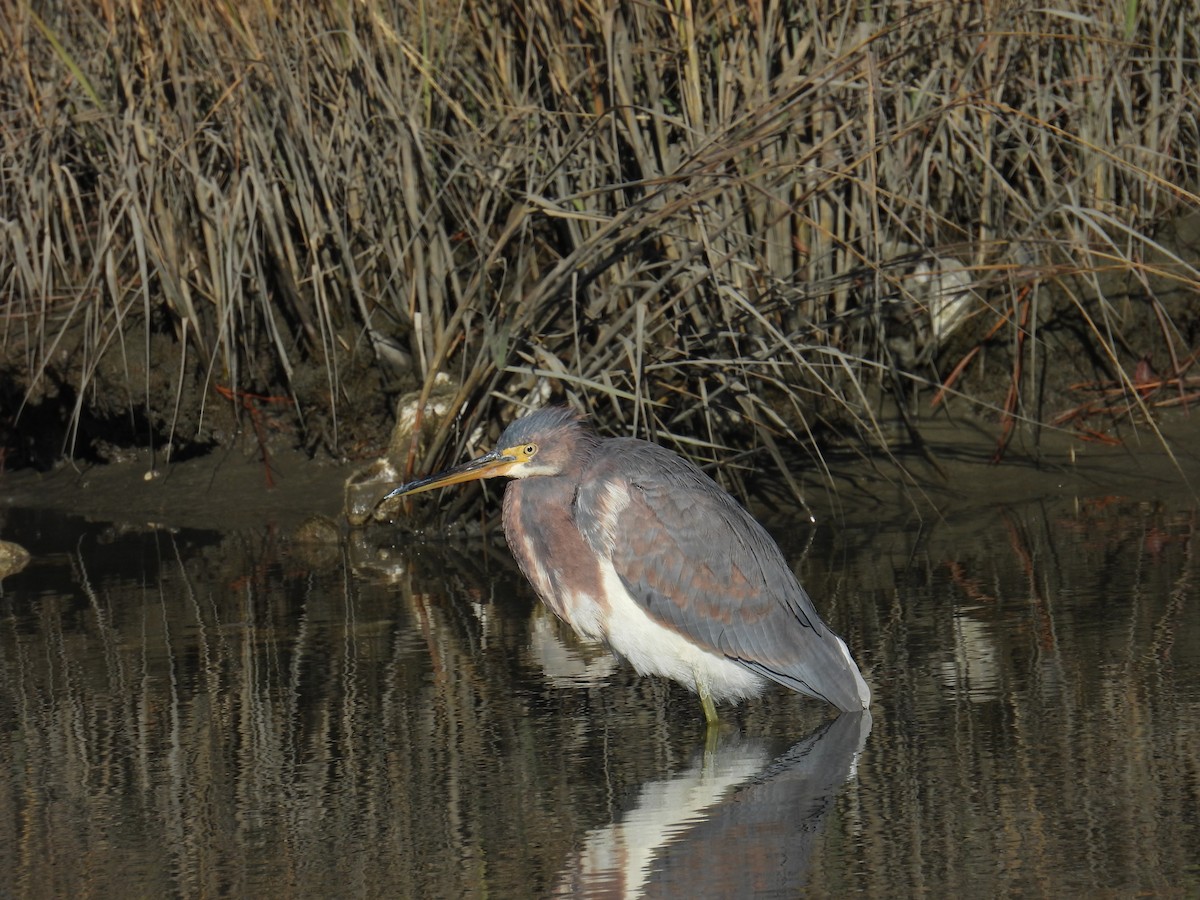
x,y
251,402
1014,385
962,364
1146,388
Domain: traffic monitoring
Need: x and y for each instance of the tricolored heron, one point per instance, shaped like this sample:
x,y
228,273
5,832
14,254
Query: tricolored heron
x,y
632,545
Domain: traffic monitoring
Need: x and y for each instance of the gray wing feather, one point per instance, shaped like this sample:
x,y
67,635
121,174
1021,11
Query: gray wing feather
x,y
698,563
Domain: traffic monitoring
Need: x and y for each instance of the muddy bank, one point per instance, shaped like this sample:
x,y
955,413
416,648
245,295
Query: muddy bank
x,y
220,491
235,489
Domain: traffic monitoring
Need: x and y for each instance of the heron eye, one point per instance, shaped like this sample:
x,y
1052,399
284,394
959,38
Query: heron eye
x,y
530,449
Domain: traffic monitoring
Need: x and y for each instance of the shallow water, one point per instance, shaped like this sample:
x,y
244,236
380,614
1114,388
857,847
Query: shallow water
x,y
200,713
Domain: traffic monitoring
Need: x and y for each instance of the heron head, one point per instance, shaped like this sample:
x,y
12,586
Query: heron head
x,y
546,442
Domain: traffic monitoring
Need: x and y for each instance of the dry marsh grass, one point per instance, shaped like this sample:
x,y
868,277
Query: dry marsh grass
x,y
719,224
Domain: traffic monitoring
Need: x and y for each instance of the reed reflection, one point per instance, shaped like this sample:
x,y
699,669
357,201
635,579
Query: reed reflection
x,y
201,713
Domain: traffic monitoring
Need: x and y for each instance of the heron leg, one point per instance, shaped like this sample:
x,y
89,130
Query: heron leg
x,y
710,708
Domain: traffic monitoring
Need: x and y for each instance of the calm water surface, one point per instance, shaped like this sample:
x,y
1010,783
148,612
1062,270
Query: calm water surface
x,y
199,713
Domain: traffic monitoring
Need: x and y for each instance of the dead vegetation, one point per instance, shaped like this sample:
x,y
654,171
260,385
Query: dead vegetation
x,y
762,226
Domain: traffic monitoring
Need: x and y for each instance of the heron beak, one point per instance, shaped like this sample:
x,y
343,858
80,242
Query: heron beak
x,y
487,466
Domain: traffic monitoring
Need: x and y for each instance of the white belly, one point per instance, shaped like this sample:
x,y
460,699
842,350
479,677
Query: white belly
x,y
654,649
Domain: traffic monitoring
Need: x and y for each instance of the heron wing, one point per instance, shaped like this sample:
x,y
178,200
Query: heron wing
x,y
698,563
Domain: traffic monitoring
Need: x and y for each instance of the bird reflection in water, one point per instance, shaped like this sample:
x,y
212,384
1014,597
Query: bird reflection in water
x,y
731,824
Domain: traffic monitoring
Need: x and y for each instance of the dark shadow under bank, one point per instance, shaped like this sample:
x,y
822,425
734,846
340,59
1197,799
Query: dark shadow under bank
x,y
235,489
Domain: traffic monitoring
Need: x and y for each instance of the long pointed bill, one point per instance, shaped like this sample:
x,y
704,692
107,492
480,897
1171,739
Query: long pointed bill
x,y
487,466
